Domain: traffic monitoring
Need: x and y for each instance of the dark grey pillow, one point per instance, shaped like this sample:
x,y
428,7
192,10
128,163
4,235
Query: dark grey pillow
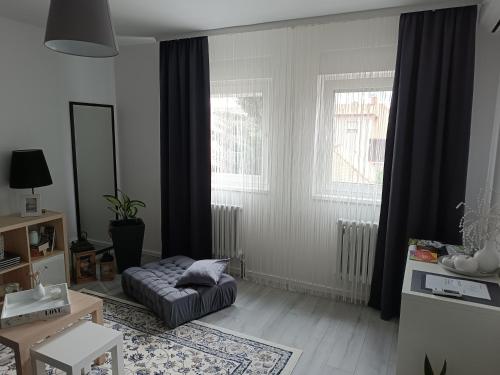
x,y
203,272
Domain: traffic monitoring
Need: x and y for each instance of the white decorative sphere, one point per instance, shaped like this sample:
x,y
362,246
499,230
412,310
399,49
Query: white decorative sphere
x,y
487,258
465,263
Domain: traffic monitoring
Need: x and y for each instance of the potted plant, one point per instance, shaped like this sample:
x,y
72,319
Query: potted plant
x,y
127,231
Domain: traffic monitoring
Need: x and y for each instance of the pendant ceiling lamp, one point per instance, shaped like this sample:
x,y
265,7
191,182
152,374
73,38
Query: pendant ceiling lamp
x,y
81,27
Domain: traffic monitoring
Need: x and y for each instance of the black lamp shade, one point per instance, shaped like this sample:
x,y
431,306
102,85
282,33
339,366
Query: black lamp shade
x,y
28,169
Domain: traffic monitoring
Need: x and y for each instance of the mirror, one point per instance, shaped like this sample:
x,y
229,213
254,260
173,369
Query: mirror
x,y
94,169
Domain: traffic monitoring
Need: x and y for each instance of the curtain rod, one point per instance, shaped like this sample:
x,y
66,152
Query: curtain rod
x,y
394,11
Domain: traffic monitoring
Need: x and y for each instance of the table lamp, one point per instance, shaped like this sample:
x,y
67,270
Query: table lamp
x,y
29,170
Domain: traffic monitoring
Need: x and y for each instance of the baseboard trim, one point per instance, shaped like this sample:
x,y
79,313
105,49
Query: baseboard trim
x,y
294,285
153,253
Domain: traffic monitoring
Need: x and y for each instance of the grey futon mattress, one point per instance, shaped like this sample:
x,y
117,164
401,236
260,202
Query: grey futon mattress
x,y
153,285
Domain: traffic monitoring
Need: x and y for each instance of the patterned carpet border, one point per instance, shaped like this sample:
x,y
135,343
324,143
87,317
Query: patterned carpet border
x,y
284,366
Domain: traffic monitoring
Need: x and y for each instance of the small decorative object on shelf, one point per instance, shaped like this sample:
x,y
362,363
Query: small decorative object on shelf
x,y
42,240
39,250
480,227
107,267
34,238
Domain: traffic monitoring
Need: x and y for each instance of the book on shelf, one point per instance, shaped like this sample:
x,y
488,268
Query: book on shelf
x,y
9,260
49,235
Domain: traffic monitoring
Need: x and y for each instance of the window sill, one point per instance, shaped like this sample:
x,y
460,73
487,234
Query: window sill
x,y
241,189
346,199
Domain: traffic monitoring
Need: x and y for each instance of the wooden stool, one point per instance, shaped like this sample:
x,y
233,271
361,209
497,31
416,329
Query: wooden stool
x,y
74,349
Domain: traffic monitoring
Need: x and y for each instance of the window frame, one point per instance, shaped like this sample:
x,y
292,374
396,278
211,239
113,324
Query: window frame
x,y
323,187
246,182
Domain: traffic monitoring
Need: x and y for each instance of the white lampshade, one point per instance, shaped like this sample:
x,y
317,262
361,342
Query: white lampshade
x,y
81,27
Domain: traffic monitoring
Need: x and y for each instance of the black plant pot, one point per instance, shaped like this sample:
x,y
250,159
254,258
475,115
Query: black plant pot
x,y
127,236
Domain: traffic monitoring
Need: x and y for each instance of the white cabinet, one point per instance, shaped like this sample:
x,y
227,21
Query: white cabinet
x,y
465,334
52,270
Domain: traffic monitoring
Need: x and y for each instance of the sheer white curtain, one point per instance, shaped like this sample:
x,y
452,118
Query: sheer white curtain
x,y
299,117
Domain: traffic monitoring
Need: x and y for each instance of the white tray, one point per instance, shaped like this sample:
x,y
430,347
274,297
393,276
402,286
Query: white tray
x,y
21,307
465,273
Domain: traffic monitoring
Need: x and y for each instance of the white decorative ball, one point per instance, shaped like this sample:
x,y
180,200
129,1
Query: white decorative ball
x,y
465,263
448,261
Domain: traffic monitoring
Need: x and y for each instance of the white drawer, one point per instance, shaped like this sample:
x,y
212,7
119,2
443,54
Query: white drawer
x,y
51,269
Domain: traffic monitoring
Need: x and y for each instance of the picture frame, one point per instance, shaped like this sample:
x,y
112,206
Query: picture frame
x,y
30,205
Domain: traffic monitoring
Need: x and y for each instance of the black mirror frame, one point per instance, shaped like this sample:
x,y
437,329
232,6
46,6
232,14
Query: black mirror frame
x,y
73,150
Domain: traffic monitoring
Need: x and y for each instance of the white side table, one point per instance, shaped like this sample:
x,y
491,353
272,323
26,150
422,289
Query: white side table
x,y
465,334
75,348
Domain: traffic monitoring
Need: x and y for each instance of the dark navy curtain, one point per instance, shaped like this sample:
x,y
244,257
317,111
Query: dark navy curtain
x,y
185,148
427,145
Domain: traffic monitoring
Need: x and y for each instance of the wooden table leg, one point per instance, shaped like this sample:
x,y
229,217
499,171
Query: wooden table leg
x,y
23,363
97,317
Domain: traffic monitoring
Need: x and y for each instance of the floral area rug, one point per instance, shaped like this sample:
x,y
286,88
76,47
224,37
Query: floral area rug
x,y
195,348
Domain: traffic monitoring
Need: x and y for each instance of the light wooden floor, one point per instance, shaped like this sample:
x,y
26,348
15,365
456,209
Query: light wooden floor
x,y
336,338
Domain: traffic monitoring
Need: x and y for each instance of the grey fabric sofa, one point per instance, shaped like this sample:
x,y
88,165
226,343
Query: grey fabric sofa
x,y
153,285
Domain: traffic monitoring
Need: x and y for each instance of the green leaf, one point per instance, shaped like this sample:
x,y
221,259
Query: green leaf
x,y
125,198
112,199
443,370
428,367
136,202
125,207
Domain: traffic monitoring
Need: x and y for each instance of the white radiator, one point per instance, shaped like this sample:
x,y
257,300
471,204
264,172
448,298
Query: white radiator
x,y
226,233
356,243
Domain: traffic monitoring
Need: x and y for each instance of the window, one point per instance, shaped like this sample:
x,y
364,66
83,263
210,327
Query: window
x,y
376,150
239,127
353,112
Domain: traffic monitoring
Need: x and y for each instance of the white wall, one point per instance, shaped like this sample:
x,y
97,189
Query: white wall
x,y
35,87
487,73
138,111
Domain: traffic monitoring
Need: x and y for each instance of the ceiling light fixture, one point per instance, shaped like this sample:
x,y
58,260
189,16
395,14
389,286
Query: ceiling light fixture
x,y
81,27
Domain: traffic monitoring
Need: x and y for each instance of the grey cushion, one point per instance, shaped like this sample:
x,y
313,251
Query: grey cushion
x,y
153,285
203,272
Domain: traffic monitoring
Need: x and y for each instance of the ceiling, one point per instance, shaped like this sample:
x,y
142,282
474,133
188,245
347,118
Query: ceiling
x,y
170,17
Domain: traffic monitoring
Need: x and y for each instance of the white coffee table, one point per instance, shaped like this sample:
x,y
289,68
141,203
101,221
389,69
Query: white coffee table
x,y
22,338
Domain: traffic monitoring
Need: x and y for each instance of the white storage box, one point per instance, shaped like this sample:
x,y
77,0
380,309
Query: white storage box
x,y
21,307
